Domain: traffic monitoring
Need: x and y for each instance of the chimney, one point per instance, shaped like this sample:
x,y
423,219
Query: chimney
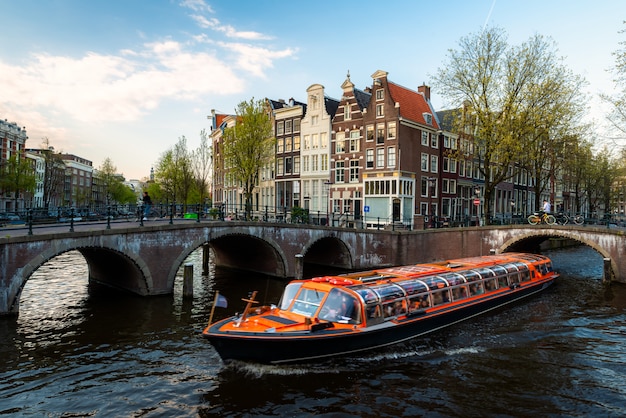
x,y
425,90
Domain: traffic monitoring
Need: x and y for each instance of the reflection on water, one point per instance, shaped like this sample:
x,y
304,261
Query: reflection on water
x,y
90,351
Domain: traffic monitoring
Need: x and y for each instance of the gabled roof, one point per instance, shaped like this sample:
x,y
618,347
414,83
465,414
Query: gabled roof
x,y
413,105
362,98
331,106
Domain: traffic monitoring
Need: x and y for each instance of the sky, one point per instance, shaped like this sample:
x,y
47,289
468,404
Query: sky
x,y
126,79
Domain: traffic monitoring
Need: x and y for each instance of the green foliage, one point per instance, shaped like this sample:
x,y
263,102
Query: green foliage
x,y
17,176
299,215
248,146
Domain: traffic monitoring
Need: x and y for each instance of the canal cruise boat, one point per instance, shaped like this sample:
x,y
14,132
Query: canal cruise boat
x,y
332,316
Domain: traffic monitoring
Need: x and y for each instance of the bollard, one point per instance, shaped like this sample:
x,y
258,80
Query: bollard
x,y
206,254
606,277
299,266
188,281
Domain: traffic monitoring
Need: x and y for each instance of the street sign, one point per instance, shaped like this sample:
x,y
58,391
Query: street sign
x,y
366,209
477,202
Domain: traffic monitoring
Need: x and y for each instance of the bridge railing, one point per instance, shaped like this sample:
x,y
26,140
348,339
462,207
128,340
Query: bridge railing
x,y
198,212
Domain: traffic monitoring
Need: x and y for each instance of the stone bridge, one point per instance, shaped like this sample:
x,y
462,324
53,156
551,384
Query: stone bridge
x,y
144,260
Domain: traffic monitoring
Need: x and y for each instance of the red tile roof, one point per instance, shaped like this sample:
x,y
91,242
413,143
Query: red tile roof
x,y
413,105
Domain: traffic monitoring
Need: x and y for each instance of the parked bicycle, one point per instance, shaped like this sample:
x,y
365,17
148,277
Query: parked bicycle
x,y
537,218
563,218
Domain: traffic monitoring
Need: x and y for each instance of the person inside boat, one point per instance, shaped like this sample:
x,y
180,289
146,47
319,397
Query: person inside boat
x,y
339,307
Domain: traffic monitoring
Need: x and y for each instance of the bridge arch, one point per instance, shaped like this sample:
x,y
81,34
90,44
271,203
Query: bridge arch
x,y
514,242
106,265
244,251
329,250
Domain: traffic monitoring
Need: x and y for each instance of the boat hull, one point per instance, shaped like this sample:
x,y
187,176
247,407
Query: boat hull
x,y
277,348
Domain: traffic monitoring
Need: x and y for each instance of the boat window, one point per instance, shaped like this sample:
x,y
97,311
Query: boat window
x,y
525,275
453,279
341,307
419,301
476,289
288,295
368,295
490,284
307,301
459,292
394,308
471,275
413,286
434,282
514,278
502,282
487,272
441,296
388,291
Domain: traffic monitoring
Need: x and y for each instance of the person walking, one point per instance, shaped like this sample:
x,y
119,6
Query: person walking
x,y
147,205
546,206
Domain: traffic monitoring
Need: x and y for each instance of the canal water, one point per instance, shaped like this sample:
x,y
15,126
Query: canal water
x,y
79,351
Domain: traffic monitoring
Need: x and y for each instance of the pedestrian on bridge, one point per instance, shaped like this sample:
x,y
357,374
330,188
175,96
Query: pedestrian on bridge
x,y
147,205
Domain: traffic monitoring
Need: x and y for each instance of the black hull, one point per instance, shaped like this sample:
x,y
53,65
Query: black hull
x,y
289,348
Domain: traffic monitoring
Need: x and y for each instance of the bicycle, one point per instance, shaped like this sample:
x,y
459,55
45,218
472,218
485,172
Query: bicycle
x,y
563,219
537,218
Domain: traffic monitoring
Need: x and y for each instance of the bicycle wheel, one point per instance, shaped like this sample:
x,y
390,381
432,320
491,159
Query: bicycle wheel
x,y
550,220
564,219
579,220
533,219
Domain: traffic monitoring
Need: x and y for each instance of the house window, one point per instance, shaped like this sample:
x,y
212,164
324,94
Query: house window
x,y
280,128
434,141
340,175
461,168
380,111
340,143
425,138
288,166
296,143
391,130
307,142
280,145
446,141
446,164
354,141
354,171
305,164
287,126
279,167
315,166
380,157
296,125
288,144
380,94
369,153
391,157
347,111
380,133
452,165
369,133
296,165
424,161
434,160
323,140
324,162
314,141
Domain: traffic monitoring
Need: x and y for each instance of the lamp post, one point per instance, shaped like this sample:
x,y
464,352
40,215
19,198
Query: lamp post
x,y
512,209
432,181
327,184
477,203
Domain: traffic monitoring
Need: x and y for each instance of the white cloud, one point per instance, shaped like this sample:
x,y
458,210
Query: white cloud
x,y
197,5
99,87
256,60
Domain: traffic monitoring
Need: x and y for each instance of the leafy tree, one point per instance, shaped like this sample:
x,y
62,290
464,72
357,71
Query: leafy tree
x,y
506,95
17,176
248,147
174,174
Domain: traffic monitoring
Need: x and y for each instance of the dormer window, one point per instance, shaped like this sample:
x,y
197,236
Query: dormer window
x,y
428,118
380,94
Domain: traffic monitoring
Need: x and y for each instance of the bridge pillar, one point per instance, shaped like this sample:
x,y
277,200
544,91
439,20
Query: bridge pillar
x,y
606,277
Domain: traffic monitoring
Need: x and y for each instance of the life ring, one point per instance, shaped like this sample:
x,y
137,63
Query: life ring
x,y
340,282
321,279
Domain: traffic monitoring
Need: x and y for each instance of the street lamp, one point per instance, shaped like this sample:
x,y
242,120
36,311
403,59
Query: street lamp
x,y
431,184
327,185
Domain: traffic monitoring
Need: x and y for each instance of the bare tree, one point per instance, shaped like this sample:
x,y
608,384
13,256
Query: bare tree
x,y
202,168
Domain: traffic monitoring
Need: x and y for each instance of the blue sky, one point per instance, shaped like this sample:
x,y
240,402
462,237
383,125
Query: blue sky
x,y
125,79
